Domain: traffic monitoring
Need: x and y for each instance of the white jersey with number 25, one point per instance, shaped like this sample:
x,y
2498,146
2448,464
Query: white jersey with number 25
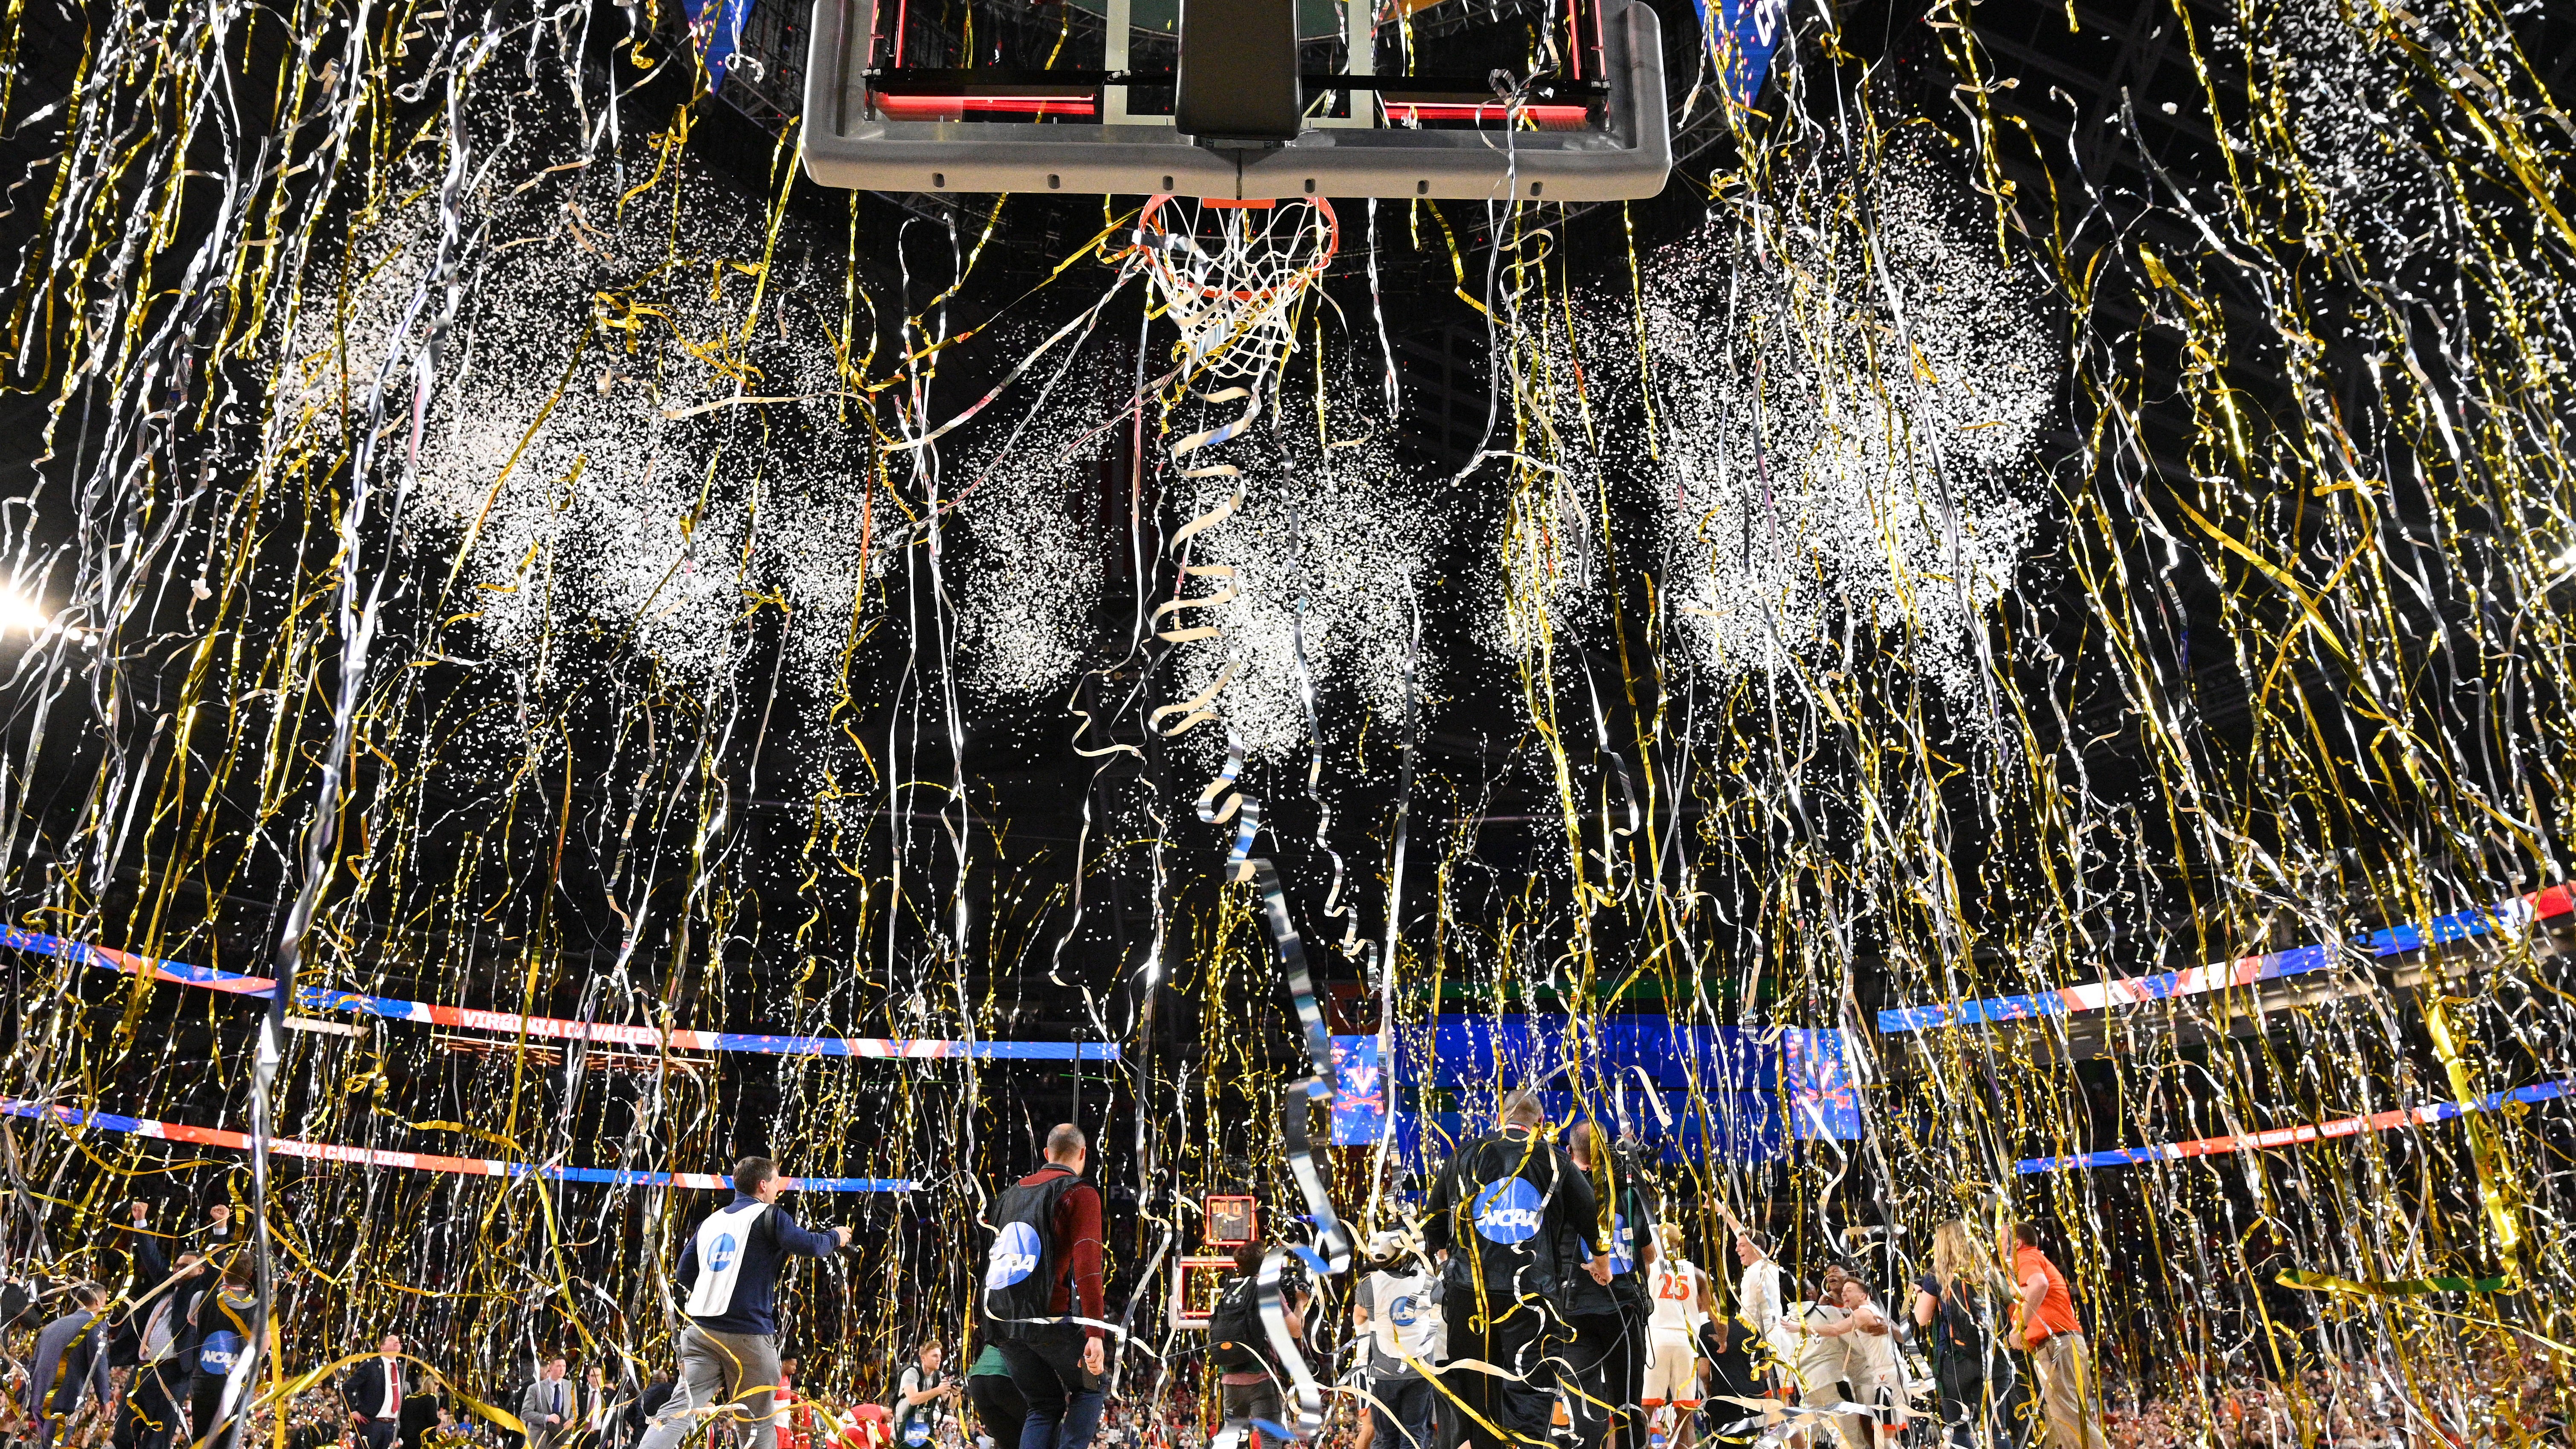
x,y
1674,1283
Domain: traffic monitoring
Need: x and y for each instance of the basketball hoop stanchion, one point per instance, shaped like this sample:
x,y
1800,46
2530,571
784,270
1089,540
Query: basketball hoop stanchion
x,y
1232,291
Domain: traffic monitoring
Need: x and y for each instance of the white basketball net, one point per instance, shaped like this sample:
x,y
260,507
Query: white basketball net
x,y
1229,276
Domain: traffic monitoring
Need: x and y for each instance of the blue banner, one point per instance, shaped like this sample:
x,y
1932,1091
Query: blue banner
x,y
1644,1051
1359,1092
1737,1094
1741,40
1735,1129
1824,1095
717,24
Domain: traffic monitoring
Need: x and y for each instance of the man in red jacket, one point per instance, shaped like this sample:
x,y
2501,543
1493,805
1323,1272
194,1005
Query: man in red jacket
x,y
1042,1295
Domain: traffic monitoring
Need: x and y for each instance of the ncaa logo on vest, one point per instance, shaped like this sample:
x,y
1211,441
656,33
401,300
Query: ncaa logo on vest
x,y
1508,1211
1015,1256
720,1256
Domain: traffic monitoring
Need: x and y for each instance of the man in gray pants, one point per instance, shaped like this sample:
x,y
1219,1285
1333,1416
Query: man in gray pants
x,y
729,1348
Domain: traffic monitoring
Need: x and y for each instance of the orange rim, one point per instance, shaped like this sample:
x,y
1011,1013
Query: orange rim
x,y
1149,220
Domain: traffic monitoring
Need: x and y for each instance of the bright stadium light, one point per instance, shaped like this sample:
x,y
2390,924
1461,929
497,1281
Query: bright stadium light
x,y
20,614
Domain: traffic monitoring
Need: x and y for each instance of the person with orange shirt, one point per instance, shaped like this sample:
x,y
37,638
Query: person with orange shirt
x,y
2057,1349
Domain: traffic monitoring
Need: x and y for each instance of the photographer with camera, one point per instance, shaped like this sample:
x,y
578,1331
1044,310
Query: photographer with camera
x,y
919,1395
1247,1367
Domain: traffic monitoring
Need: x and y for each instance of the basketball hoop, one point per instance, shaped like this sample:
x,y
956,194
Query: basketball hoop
x,y
1229,274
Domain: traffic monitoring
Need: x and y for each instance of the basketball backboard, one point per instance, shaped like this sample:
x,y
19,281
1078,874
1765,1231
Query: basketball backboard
x,y
1544,100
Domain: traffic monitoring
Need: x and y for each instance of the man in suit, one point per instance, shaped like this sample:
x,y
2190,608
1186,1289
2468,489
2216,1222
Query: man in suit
x,y
602,1411
547,1407
377,1393
70,1361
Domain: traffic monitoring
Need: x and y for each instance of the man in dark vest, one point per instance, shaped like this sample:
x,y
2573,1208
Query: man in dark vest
x,y
1500,1207
218,1339
1042,1295
1249,1378
729,1348
1605,1349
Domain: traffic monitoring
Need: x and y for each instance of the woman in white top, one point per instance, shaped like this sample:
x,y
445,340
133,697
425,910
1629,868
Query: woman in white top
x,y
1875,1373
1757,1295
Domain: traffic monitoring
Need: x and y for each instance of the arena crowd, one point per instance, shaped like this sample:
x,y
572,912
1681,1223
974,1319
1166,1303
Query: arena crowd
x,y
1536,1300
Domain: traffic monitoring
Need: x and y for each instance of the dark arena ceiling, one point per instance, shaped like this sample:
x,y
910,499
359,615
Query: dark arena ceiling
x,y
2049,494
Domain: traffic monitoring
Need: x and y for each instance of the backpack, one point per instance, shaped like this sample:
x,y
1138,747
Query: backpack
x,y
1236,1339
1959,1337
1021,1270
902,1419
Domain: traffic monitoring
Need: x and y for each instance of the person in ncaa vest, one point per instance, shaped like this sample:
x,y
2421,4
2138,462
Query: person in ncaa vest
x,y
729,1350
1499,1209
218,1340
1605,1353
1042,1295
